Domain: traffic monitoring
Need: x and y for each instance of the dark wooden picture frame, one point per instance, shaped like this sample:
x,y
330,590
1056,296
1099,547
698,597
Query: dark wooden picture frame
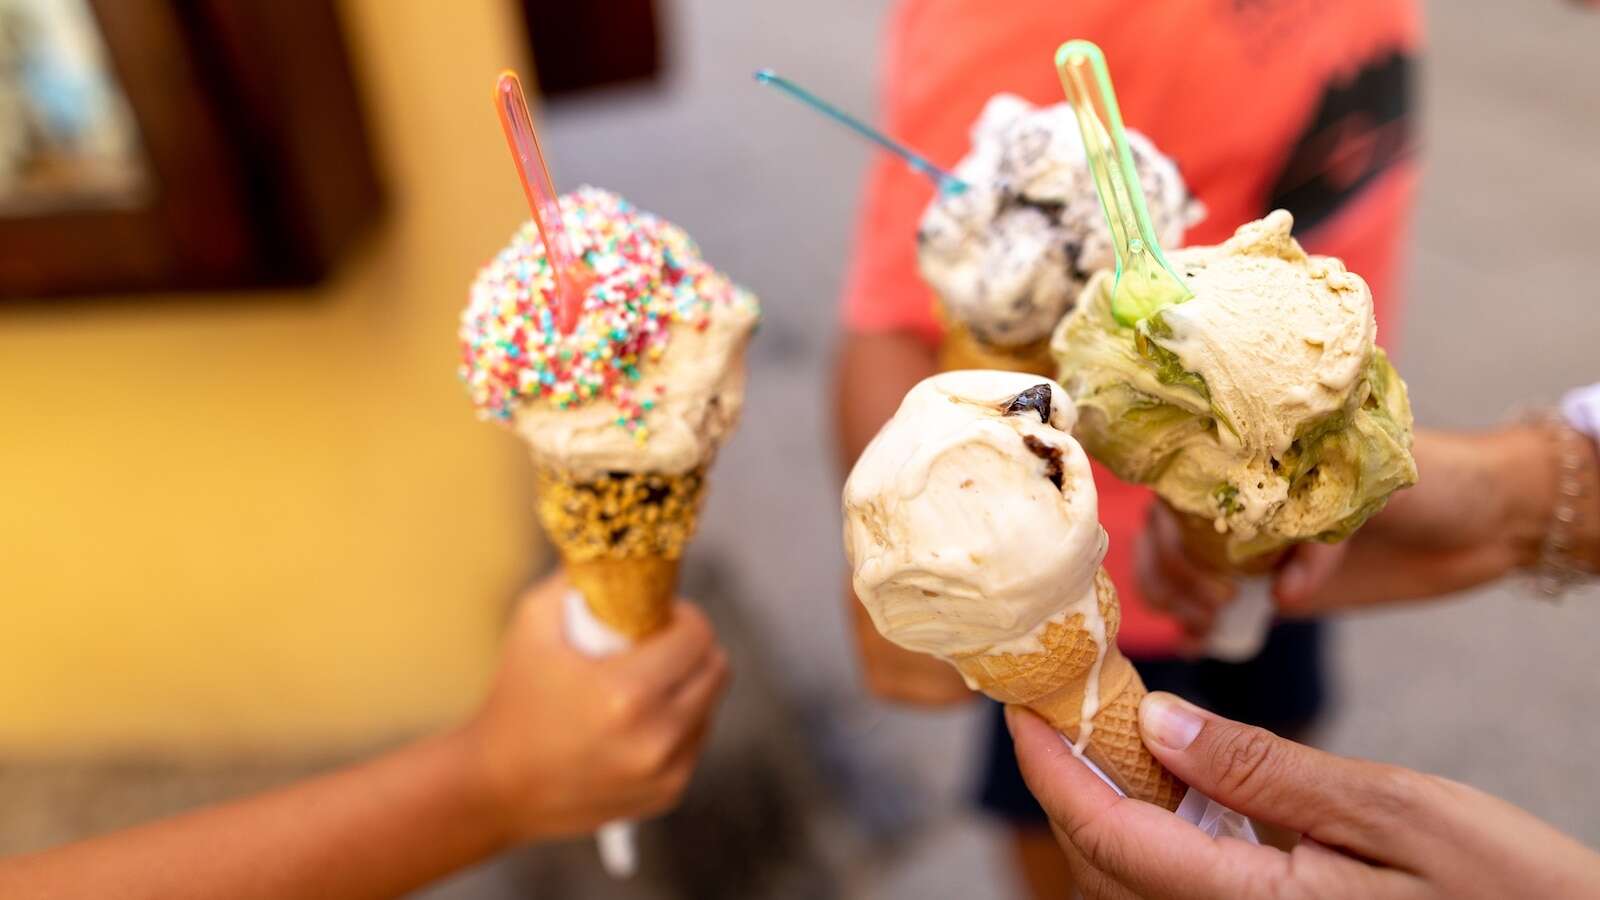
x,y
252,129
581,46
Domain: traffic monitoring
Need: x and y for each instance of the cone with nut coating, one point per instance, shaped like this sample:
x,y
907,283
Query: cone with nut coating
x,y
1053,683
621,536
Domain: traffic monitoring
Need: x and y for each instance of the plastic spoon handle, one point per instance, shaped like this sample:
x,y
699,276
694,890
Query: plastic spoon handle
x,y
1144,281
543,201
946,181
617,839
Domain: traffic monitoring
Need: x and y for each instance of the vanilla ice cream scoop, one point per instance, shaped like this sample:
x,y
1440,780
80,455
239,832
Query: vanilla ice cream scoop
x,y
1262,403
971,519
1009,255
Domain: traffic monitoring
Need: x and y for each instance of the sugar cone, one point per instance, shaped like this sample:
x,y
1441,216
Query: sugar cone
x,y
961,349
1204,544
1054,681
620,536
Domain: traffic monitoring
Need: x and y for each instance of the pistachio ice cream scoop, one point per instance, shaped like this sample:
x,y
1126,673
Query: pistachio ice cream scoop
x,y
1262,404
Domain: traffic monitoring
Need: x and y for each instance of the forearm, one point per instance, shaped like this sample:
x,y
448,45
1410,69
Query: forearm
x,y
1529,462
1482,508
872,376
378,829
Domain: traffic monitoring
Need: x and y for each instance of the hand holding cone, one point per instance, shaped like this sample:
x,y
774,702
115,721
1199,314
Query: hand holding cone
x,y
971,525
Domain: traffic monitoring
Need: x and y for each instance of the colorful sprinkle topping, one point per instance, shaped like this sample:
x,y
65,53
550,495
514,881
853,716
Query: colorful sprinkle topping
x,y
648,279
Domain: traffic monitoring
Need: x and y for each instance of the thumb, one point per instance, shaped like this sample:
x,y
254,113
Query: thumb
x,y
1349,804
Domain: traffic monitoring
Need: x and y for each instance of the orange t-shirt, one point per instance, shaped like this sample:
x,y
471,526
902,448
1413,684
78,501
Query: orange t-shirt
x,y
1297,104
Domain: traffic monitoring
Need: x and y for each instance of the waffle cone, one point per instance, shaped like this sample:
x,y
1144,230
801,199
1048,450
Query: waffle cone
x,y
620,536
1204,544
1054,681
961,349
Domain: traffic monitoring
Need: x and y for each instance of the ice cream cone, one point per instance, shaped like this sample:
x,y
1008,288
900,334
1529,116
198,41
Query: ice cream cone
x,y
621,536
1204,544
961,349
1008,257
1055,681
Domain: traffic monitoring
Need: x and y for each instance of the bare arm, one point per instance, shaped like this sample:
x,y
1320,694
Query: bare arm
x,y
872,375
874,372
562,744
1481,508
374,830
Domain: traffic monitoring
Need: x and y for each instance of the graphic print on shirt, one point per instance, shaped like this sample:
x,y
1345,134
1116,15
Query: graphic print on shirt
x,y
1362,127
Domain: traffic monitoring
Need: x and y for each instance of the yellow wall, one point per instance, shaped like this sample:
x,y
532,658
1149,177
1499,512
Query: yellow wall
x,y
271,521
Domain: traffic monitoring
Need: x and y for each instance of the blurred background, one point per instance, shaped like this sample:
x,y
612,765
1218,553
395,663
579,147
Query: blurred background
x,y
249,527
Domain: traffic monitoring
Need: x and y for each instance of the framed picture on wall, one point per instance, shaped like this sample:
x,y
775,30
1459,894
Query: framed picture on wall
x,y
581,46
173,144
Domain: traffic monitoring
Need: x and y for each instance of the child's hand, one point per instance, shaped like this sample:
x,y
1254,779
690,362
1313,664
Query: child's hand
x,y
566,742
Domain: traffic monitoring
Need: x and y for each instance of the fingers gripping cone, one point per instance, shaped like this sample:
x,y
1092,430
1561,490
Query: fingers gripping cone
x,y
620,536
1055,682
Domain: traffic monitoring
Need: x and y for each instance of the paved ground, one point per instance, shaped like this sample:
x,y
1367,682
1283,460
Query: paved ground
x,y
814,791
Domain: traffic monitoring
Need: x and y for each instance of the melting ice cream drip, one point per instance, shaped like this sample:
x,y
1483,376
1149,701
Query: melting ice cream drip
x,y
1096,625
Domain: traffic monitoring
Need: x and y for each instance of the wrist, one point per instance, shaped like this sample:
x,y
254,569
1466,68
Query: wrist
x,y
482,790
1585,479
1526,470
1551,478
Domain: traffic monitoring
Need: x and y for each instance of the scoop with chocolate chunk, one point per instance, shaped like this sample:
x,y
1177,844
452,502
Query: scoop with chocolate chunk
x,y
971,516
1035,399
1051,455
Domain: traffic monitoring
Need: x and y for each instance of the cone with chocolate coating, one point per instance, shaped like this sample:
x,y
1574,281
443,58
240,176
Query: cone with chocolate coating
x,y
621,536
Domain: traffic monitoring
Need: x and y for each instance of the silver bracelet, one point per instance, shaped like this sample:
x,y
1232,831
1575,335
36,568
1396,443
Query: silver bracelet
x,y
1557,570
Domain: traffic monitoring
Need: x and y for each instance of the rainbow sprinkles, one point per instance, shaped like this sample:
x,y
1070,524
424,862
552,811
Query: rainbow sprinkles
x,y
648,279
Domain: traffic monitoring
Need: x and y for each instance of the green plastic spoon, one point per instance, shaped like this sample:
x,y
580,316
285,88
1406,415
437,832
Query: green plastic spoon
x,y
1145,283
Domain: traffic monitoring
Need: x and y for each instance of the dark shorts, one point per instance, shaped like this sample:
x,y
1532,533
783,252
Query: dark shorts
x,y
1283,689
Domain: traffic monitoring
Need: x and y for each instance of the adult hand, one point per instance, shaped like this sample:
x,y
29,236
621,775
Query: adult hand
x,y
1171,582
1370,830
1479,511
566,742
903,676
